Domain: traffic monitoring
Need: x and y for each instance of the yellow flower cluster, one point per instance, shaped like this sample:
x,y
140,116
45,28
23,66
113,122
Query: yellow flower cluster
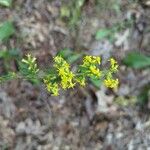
x,y
61,76
90,66
65,78
114,65
63,69
88,69
109,81
51,87
88,60
95,71
81,80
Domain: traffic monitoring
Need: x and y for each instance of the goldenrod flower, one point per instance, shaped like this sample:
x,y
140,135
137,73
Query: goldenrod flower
x,y
58,59
111,83
95,71
51,87
67,80
114,65
81,80
63,77
63,69
55,89
89,67
91,60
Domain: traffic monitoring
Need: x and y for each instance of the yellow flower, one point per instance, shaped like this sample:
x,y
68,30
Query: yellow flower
x,y
55,89
58,59
87,59
111,83
81,80
97,59
95,71
52,87
89,66
63,69
60,62
91,60
67,80
114,65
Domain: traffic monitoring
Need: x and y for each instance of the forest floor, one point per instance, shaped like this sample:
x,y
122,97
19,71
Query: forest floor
x,y
82,118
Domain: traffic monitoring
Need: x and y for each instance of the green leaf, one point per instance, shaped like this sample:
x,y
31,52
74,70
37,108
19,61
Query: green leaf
x,y
69,55
65,52
6,30
73,58
6,3
103,33
137,60
96,82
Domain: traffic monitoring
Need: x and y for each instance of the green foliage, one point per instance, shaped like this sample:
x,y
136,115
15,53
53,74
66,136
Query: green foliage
x,y
96,82
61,74
137,60
6,3
69,55
29,69
6,30
8,76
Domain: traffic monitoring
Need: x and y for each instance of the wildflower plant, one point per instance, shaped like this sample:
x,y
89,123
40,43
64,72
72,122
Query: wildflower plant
x,y
29,69
61,75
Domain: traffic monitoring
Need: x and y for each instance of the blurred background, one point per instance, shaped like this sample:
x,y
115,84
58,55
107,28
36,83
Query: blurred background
x,y
90,118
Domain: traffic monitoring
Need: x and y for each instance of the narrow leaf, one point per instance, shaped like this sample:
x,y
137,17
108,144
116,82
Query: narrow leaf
x,y
70,55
